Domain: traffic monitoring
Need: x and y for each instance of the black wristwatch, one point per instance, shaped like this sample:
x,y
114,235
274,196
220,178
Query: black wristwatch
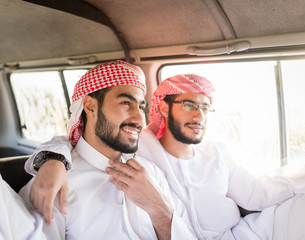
x,y
44,156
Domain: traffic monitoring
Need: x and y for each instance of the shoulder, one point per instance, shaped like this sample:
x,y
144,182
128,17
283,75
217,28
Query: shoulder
x,y
215,150
147,164
149,145
147,136
209,146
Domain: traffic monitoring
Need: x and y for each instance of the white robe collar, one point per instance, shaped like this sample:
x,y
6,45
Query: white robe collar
x,y
91,155
94,157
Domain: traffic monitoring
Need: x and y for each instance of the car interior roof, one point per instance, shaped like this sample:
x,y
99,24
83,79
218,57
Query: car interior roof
x,y
42,29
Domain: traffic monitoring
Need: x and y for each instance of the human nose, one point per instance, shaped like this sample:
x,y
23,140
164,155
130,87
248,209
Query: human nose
x,y
199,115
137,116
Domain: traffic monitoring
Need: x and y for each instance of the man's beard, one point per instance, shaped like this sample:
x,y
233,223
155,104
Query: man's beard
x,y
104,130
175,128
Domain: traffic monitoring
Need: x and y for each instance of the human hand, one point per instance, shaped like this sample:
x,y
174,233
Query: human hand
x,y
50,180
140,187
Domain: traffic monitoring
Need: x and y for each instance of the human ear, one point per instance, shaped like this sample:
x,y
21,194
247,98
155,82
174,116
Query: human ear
x,y
164,108
89,105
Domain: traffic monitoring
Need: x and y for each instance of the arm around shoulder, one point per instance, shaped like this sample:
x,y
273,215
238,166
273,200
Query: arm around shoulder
x,y
58,145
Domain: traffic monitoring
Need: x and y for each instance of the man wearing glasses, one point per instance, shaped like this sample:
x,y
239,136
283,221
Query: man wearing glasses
x,y
203,179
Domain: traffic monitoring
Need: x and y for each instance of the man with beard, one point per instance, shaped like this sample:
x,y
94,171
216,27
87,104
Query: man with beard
x,y
203,179
107,116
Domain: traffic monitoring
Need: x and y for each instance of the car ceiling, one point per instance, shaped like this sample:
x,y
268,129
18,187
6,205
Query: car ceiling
x,y
31,31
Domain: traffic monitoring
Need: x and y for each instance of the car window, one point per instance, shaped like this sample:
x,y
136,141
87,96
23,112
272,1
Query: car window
x,y
42,100
293,74
71,78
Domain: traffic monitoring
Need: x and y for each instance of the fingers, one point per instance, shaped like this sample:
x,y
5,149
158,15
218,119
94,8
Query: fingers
x,y
138,185
135,164
126,173
130,168
50,180
47,211
63,196
122,167
118,175
43,201
119,184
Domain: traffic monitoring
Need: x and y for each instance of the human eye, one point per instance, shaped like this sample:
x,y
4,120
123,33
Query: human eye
x,y
188,106
127,103
142,107
205,108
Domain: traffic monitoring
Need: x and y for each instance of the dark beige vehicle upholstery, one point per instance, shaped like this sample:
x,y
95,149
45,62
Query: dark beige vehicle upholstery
x,y
32,31
12,171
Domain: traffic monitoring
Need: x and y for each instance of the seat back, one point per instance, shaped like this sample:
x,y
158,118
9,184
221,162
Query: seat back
x,y
12,171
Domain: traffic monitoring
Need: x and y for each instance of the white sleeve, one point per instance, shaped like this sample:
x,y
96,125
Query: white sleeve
x,y
296,176
256,192
57,230
59,144
181,227
17,221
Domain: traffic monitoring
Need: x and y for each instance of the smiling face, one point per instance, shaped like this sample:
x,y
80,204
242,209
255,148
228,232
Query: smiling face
x,y
188,126
120,118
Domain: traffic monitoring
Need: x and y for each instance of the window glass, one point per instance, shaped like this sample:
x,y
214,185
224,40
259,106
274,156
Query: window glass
x,y
71,78
41,104
246,116
293,74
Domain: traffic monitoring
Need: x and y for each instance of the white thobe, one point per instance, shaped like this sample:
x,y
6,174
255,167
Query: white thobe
x,y
17,221
96,209
209,187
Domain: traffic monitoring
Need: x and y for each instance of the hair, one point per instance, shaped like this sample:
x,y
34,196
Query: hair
x,y
170,98
99,96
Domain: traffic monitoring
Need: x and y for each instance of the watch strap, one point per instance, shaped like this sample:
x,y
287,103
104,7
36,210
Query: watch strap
x,y
44,156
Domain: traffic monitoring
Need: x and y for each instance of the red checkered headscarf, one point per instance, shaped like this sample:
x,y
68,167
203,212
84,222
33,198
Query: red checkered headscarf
x,y
104,75
187,83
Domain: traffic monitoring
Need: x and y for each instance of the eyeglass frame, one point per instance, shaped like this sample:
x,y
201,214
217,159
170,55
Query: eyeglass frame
x,y
197,106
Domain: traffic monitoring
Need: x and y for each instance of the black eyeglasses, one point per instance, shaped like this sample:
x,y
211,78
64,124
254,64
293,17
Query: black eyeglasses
x,y
189,106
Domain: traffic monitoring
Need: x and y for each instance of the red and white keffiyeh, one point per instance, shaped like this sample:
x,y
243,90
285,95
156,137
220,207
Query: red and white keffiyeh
x,y
186,83
104,75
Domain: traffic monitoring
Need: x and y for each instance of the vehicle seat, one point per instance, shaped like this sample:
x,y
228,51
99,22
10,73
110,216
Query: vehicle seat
x,y
12,171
